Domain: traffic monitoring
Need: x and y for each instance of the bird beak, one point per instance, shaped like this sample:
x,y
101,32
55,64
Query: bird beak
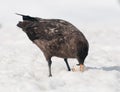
x,y
81,67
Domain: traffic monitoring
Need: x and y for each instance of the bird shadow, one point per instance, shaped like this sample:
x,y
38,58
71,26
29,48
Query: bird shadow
x,y
110,68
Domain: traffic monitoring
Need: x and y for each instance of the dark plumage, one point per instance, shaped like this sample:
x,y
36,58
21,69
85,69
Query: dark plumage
x,y
56,37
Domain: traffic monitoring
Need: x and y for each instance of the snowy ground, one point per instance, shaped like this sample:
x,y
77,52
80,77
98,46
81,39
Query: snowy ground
x,y
23,67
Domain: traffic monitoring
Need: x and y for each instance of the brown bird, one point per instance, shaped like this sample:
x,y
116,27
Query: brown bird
x,y
56,37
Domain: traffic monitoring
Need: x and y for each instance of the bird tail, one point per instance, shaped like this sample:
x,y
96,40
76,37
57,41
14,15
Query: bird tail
x,y
26,17
20,14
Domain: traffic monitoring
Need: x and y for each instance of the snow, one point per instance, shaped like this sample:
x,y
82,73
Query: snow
x,y
23,67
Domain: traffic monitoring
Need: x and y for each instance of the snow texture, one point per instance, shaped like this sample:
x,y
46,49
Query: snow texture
x,y
23,67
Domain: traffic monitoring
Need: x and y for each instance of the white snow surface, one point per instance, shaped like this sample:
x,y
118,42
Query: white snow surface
x,y
23,67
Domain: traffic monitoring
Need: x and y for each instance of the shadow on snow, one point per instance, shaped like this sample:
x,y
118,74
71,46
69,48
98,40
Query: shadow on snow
x,y
110,68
